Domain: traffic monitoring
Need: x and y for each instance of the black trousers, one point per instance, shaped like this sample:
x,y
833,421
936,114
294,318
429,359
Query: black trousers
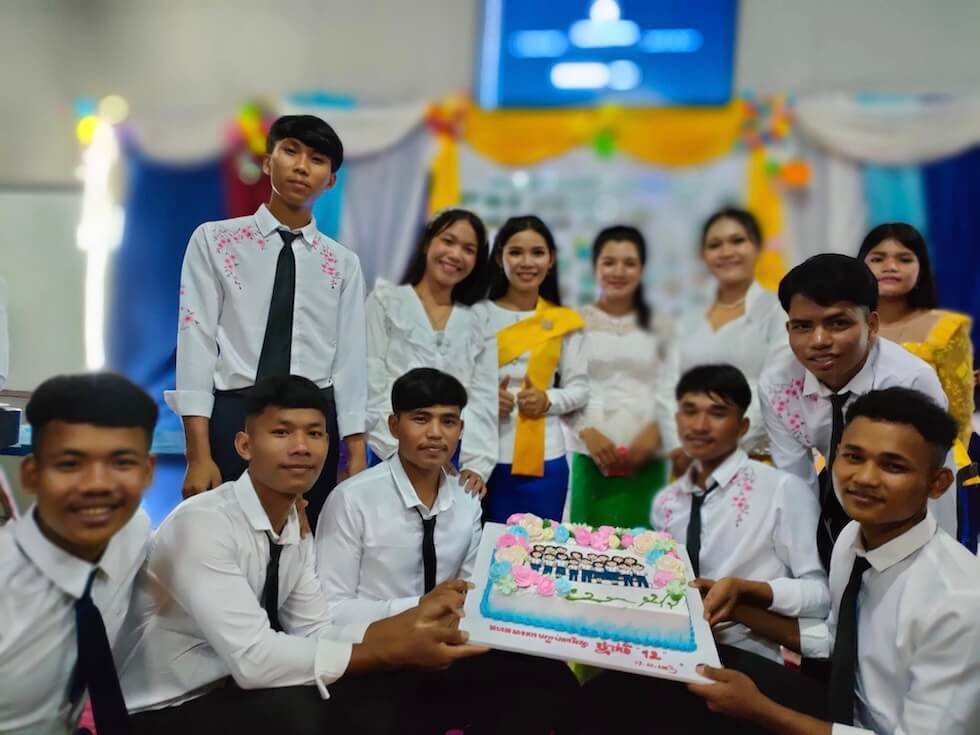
x,y
680,712
228,418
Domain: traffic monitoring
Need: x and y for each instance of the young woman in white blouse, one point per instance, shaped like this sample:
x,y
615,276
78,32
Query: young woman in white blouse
x,y
537,341
616,470
428,322
741,327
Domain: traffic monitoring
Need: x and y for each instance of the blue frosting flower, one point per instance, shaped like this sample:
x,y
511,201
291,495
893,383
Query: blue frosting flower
x,y
499,569
562,587
561,534
638,530
653,555
518,531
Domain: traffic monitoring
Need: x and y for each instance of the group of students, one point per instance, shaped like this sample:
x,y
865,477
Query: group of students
x,y
231,615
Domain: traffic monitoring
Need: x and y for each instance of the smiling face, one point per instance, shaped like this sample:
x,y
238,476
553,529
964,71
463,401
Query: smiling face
x,y
299,174
832,342
895,267
729,253
709,427
88,481
619,269
526,261
451,255
427,437
285,448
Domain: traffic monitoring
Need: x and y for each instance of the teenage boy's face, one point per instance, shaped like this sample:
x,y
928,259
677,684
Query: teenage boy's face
x,y
299,174
709,427
88,482
885,473
427,437
285,448
832,342
451,255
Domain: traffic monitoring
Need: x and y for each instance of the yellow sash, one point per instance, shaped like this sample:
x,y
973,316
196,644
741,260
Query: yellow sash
x,y
540,335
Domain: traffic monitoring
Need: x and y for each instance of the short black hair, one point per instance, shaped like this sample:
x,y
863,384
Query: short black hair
x,y
308,130
472,288
828,278
721,381
923,293
913,408
424,387
285,391
103,399
743,217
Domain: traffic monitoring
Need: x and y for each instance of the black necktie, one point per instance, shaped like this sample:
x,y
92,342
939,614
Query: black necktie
x,y
844,660
832,515
278,340
694,528
96,670
270,589
428,550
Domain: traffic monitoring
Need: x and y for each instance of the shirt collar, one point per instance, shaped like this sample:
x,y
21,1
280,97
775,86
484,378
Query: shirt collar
x,y
860,384
752,295
406,491
256,515
268,224
722,475
66,570
899,548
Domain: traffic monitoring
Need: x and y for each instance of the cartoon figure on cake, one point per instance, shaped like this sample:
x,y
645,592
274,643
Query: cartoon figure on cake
x,y
549,562
561,563
640,576
535,562
621,569
599,573
573,567
587,571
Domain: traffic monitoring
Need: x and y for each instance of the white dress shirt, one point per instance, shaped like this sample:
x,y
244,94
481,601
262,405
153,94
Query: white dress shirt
x,y
571,396
369,542
918,667
799,417
757,524
39,584
626,366
400,337
745,342
225,292
197,615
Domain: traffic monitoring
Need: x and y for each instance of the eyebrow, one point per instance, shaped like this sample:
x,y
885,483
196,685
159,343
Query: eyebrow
x,y
877,455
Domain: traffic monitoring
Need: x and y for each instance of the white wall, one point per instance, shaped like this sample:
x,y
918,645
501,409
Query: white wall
x,y
186,65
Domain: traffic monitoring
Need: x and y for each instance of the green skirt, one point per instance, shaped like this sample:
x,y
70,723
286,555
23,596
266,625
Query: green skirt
x,y
614,501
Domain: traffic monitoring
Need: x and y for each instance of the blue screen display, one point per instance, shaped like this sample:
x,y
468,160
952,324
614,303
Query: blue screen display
x,y
558,53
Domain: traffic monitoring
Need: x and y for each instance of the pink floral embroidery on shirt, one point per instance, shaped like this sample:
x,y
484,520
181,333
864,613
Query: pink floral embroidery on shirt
x,y
227,240
666,501
329,261
744,483
785,399
187,318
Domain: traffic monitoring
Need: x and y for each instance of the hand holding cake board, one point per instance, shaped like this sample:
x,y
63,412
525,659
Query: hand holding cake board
x,y
615,598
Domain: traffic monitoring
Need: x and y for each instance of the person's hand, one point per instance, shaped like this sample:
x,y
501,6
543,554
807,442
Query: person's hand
x,y
601,449
201,475
505,401
356,457
720,598
679,462
532,402
644,447
443,604
355,464
732,693
472,483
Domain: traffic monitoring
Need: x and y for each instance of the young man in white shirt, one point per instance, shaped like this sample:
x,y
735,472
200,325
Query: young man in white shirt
x,y
835,356
229,627
905,619
67,566
270,295
401,532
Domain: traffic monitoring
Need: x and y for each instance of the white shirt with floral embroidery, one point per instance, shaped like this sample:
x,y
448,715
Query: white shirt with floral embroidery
x,y
225,291
759,523
799,417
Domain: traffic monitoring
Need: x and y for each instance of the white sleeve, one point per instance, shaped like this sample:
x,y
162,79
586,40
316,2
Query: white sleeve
x,y
379,382
350,357
197,561
666,397
476,533
339,541
588,417
787,453
944,508
201,296
481,433
574,368
806,592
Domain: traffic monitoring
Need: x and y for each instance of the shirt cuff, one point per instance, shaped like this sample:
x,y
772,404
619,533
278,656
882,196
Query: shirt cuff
x,y
351,632
839,729
814,638
329,663
787,599
190,402
402,604
352,422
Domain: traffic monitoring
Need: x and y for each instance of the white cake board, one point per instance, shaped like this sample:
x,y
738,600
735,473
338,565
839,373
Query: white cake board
x,y
662,663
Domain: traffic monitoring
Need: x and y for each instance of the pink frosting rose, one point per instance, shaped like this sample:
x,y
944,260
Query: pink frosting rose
x,y
626,540
546,586
583,537
514,519
523,575
606,531
521,541
660,580
600,543
505,540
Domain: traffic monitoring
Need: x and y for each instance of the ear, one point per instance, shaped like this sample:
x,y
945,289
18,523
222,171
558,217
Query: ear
x,y
29,474
873,323
243,445
151,464
743,426
393,426
266,165
329,183
787,326
942,479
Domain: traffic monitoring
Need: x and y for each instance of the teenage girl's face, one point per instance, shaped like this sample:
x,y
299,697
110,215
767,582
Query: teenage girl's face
x,y
299,174
451,255
895,267
618,269
729,253
526,261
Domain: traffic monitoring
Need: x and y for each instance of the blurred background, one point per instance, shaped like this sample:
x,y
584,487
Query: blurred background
x,y
128,123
